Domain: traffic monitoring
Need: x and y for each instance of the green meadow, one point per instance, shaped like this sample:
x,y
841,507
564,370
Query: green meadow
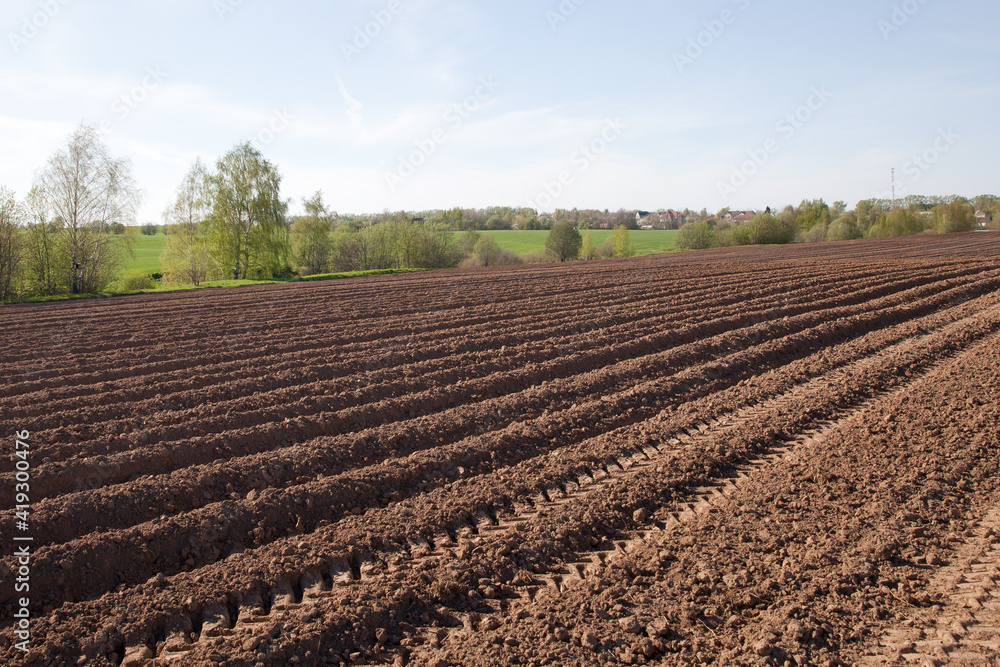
x,y
647,242
147,254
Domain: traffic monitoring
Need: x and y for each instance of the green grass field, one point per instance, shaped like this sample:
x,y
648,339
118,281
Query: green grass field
x,y
147,254
647,242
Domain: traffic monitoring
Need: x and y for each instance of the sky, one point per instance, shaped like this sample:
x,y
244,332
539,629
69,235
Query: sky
x,y
428,104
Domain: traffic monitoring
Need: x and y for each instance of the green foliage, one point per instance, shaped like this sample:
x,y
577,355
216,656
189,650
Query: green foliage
x,y
149,229
696,236
132,282
811,214
957,216
900,222
564,241
247,228
467,242
87,191
43,250
312,242
868,213
817,234
623,243
765,229
524,242
986,202
844,228
588,250
486,251
356,274
396,243
187,255
12,219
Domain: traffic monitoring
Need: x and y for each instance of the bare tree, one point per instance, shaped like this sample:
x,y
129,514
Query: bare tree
x,y
88,191
11,223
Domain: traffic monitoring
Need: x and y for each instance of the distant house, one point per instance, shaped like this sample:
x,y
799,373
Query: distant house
x,y
641,215
983,219
740,216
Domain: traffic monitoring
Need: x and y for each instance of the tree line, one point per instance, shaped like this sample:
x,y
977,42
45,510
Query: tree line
x,y
815,220
75,229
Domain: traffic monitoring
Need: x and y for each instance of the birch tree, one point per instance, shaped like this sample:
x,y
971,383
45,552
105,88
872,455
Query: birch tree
x,y
312,244
87,190
187,258
11,224
247,225
43,251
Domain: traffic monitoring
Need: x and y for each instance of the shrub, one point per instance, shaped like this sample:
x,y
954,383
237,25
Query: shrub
x,y
844,228
133,282
696,236
954,217
536,258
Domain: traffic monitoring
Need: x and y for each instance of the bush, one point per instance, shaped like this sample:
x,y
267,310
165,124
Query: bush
x,y
606,250
844,228
817,234
536,258
954,217
900,222
696,236
765,229
133,282
488,253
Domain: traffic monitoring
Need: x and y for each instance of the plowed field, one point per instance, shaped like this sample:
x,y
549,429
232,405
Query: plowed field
x,y
784,456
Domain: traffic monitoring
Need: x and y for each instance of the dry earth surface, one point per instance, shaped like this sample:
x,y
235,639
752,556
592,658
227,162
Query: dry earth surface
x,y
765,456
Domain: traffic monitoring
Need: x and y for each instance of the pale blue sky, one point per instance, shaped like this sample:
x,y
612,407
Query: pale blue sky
x,y
374,125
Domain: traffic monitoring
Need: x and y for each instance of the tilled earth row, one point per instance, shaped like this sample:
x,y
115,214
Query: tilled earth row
x,y
709,462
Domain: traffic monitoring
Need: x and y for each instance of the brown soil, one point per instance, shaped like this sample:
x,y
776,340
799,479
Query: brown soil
x,y
769,456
